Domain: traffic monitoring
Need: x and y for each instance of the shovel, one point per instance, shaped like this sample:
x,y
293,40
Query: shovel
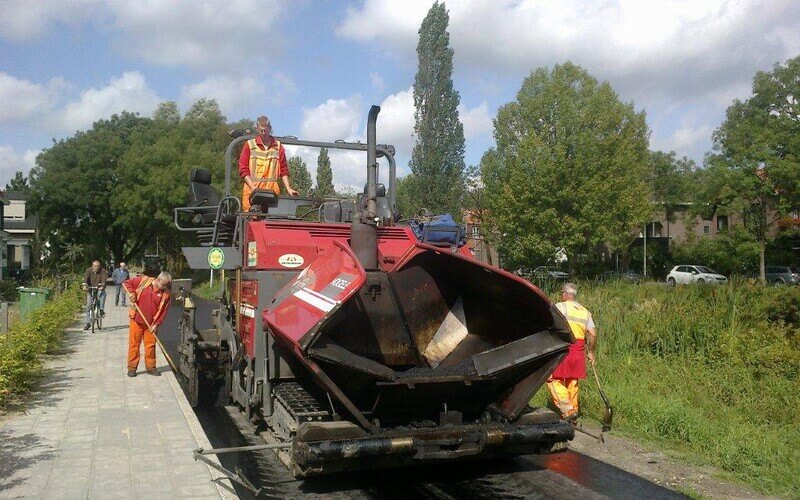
x,y
608,413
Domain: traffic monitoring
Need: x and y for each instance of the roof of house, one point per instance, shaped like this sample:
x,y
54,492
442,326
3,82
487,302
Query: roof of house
x,y
29,223
15,195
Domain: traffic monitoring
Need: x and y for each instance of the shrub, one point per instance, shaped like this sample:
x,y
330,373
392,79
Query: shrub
x,y
8,290
21,346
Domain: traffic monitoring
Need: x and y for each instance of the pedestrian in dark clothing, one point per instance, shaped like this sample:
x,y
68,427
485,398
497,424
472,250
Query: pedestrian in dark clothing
x,y
120,275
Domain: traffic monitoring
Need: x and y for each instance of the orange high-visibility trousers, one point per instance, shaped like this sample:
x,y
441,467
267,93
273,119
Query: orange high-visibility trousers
x,y
135,337
564,392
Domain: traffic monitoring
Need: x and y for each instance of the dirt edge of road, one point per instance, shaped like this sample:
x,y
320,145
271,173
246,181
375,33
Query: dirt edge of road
x,y
646,460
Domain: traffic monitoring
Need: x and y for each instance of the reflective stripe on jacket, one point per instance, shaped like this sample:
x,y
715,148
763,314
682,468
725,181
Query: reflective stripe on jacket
x,y
264,167
578,317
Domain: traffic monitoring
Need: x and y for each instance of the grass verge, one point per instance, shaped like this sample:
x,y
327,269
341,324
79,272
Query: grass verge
x,y
22,345
712,371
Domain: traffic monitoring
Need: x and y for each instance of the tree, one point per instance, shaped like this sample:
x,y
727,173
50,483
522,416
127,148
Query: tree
x,y
112,189
167,112
324,176
437,161
18,183
754,168
672,182
299,175
569,170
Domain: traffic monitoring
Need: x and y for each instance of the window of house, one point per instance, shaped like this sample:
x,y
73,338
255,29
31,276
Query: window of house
x,y
706,229
722,223
475,232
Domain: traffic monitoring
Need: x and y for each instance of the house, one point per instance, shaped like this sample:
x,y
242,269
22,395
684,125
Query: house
x,y
476,242
21,228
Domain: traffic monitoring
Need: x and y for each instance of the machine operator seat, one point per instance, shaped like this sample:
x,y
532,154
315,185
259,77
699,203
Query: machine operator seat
x,y
205,200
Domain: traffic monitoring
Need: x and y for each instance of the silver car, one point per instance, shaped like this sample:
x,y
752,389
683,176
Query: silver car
x,y
694,274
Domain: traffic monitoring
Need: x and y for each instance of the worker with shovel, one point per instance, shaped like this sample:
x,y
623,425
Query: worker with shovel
x,y
563,383
149,299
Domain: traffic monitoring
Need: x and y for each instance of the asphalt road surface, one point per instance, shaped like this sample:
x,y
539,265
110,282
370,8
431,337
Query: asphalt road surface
x,y
565,475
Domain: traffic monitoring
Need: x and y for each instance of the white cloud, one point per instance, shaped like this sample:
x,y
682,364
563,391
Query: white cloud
x,y
688,140
683,49
477,121
235,35
23,20
11,162
22,99
129,92
237,96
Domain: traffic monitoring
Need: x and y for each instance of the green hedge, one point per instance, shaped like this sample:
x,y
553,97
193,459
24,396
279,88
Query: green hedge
x,y
22,345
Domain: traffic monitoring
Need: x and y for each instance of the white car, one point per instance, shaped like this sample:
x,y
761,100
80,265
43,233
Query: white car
x,y
694,274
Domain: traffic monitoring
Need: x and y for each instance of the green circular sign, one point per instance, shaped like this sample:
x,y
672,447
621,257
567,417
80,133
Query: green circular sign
x,y
216,258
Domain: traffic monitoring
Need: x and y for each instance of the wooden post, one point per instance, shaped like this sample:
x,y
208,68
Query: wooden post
x,y
3,317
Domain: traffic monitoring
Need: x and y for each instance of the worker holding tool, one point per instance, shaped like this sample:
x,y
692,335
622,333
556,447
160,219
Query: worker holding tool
x,y
149,299
563,383
263,163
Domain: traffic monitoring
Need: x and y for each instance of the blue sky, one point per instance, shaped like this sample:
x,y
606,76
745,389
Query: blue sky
x,y
315,66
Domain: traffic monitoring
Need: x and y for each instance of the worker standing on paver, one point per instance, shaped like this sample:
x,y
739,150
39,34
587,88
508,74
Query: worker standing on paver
x,y
149,299
563,383
263,163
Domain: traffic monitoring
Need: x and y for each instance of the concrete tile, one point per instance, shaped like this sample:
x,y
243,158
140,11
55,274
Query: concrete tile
x,y
197,490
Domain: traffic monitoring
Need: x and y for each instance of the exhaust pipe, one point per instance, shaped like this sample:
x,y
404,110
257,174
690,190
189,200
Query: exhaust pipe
x,y
363,234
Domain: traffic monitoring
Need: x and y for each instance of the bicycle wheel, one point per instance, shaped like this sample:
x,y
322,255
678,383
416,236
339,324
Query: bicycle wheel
x,y
93,316
97,318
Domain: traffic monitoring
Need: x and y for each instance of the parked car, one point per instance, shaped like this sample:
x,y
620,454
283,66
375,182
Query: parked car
x,y
694,274
551,273
781,275
629,276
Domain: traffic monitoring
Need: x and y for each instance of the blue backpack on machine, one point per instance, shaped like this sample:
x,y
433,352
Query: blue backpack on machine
x,y
441,230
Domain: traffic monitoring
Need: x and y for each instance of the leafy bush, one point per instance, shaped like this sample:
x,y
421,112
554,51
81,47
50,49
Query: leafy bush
x,y
25,341
8,290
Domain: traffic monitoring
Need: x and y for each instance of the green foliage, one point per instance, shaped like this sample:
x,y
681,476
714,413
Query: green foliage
x,y
570,169
672,182
8,290
20,348
437,160
755,166
18,183
299,175
110,191
324,187
711,370
735,252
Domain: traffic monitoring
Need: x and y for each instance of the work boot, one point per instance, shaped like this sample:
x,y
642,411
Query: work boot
x,y
154,373
131,373
87,326
572,418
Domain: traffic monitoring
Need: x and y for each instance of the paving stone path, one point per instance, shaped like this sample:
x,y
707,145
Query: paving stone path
x,y
89,431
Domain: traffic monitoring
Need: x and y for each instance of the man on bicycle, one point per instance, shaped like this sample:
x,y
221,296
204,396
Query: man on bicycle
x,y
95,277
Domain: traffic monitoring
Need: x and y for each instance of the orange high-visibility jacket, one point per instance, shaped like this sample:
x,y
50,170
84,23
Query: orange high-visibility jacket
x,y
264,169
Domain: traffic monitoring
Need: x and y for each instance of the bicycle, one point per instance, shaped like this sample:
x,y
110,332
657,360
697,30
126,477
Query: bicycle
x,y
95,318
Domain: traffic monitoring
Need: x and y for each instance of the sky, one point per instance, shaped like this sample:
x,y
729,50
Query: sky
x,y
315,67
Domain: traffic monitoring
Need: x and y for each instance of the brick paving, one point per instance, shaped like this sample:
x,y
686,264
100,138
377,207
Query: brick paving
x,y
89,431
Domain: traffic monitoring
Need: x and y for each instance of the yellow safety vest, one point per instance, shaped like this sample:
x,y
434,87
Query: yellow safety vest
x,y
577,316
264,169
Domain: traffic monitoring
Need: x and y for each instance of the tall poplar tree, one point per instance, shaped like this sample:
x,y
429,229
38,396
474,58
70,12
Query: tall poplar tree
x,y
324,175
301,178
437,161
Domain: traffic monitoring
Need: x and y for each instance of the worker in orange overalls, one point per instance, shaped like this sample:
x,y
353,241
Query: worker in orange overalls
x,y
151,295
563,382
263,163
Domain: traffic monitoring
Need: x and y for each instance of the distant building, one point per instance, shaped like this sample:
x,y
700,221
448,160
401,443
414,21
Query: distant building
x,y
21,229
476,240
